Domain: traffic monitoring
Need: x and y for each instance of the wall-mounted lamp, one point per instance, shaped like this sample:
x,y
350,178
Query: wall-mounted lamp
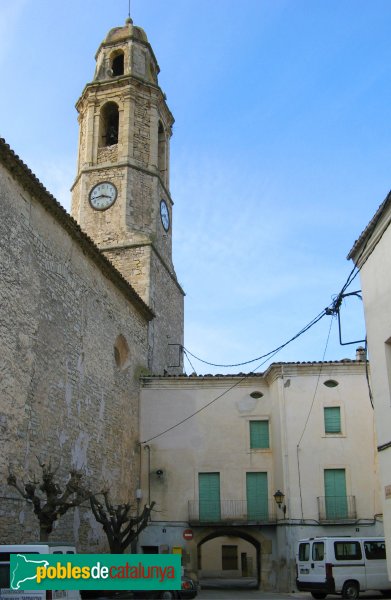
x,y
159,473
279,498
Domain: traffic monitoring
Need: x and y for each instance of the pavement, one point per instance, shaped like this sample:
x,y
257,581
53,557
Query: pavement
x,y
251,594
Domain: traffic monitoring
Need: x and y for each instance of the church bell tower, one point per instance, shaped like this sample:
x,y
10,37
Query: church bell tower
x,y
121,195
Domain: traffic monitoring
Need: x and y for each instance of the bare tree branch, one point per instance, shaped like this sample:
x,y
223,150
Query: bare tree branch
x,y
120,526
52,502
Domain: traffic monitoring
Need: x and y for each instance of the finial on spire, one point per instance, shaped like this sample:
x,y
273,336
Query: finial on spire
x,y
129,20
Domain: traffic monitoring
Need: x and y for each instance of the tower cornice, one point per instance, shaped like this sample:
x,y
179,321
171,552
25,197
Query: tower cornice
x,y
121,82
126,163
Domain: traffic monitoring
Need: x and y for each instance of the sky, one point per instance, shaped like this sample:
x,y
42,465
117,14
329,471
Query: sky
x,y
280,154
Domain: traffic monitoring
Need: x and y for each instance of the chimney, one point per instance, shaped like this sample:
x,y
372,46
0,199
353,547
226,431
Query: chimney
x,y
360,353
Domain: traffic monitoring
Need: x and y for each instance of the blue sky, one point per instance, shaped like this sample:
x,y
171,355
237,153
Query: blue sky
x,y
280,154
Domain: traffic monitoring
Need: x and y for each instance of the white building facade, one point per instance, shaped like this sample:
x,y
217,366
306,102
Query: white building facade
x,y
372,255
303,429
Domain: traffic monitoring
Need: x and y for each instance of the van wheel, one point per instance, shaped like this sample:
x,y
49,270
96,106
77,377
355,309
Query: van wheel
x,y
386,593
168,595
351,590
318,595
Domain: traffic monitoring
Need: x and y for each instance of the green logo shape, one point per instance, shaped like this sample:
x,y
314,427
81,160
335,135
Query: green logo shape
x,y
95,572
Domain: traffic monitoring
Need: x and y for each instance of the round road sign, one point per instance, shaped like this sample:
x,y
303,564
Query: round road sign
x,y
188,534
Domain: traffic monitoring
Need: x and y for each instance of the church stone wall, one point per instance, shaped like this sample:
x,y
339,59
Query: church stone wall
x,y
167,327
62,395
151,279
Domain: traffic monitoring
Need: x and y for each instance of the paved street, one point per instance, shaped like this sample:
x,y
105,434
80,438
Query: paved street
x,y
237,594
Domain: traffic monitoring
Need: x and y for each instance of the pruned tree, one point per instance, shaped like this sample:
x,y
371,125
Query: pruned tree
x,y
49,500
120,527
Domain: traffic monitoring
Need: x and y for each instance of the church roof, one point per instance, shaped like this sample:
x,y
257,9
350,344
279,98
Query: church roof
x,y
30,182
118,34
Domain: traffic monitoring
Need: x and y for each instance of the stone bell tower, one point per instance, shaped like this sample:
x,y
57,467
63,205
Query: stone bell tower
x,y
121,195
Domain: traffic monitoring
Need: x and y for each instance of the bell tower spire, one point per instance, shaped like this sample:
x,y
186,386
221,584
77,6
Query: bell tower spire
x,y
121,195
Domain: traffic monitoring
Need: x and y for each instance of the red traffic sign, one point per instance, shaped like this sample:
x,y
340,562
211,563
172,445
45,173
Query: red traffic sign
x,y
188,534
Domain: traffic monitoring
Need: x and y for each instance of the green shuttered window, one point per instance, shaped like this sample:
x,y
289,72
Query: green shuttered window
x,y
332,419
259,434
335,492
257,496
209,496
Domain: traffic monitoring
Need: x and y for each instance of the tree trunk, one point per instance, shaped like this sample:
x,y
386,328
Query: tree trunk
x,y
43,534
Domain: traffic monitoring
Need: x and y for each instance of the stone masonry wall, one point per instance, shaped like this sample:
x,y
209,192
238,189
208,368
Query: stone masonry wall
x,y
168,325
62,395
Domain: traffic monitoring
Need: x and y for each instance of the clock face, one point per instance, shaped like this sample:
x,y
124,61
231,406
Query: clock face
x,y
103,195
164,215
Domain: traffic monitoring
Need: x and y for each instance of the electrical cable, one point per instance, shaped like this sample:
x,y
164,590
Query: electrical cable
x,y
243,378
367,374
308,416
185,353
268,354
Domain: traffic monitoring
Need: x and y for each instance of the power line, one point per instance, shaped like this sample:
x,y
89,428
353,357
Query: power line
x,y
303,330
266,356
308,417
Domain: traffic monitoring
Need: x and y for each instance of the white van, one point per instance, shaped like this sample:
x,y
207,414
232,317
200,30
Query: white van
x,y
45,548
342,565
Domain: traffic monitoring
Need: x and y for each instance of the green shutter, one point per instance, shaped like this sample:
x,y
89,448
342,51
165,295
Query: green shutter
x,y
335,493
259,434
209,496
332,419
257,496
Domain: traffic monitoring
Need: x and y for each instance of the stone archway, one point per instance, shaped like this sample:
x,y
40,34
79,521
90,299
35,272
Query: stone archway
x,y
234,532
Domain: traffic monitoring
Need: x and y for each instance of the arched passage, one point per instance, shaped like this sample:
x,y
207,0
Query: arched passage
x,y
231,553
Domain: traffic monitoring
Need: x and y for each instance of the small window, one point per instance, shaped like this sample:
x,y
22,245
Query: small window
x,y
375,550
304,551
121,353
117,66
229,557
332,419
109,124
162,153
347,550
318,551
259,435
331,383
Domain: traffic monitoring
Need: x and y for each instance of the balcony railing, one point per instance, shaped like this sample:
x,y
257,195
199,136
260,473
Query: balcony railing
x,y
337,508
231,511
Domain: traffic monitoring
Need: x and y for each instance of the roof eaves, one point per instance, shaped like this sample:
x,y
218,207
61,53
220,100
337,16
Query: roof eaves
x,y
364,236
27,178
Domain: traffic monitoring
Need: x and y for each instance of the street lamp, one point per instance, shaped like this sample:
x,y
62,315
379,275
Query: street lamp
x,y
279,498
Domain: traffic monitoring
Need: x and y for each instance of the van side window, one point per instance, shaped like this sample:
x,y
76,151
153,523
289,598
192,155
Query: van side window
x,y
318,551
375,550
304,551
5,576
347,550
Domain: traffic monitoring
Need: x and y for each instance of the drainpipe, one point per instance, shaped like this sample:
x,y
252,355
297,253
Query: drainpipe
x,y
146,447
286,481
